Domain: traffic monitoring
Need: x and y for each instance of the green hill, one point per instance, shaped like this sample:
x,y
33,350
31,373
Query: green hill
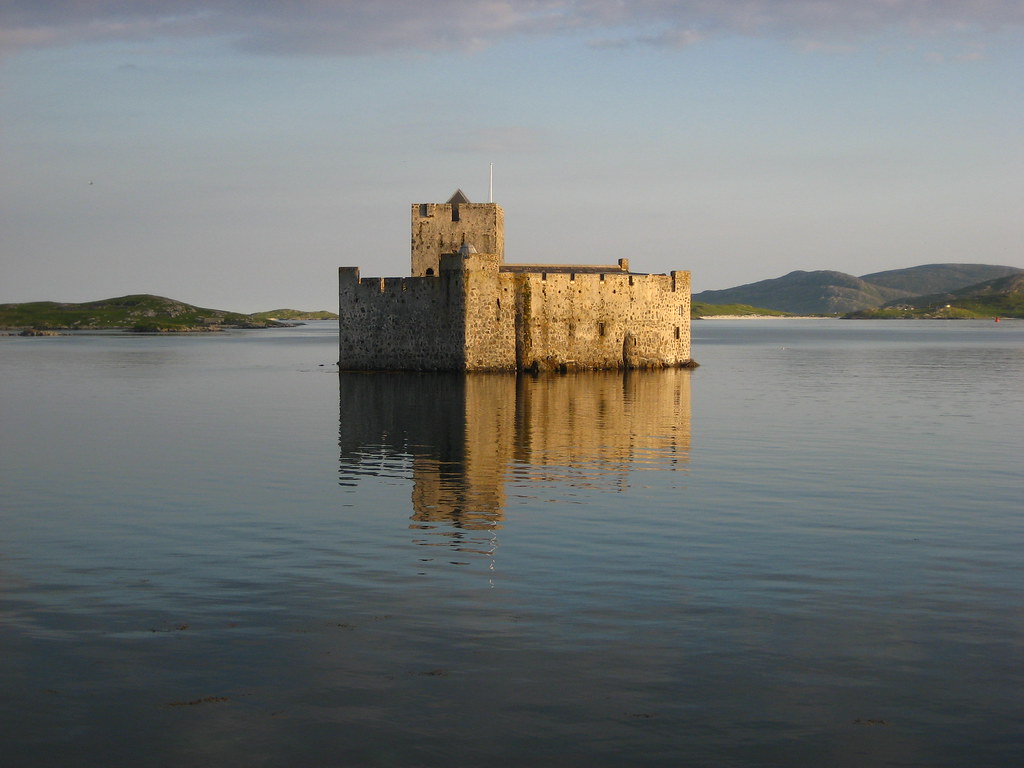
x,y
937,278
827,292
138,312
822,292
1002,297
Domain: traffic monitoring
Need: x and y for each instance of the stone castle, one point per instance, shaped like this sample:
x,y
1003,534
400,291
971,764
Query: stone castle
x,y
465,309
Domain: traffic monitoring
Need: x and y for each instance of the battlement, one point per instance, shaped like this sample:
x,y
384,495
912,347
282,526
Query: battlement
x,y
440,228
621,266
464,308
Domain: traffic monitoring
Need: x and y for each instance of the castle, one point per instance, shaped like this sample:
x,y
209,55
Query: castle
x,y
465,309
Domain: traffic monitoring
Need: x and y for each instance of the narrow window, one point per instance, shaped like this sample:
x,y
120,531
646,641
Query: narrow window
x,y
602,277
455,212
600,329
572,277
423,209
677,332
544,277
630,279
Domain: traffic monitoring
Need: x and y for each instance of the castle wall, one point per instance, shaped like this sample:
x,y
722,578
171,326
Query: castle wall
x,y
472,316
604,320
401,323
490,330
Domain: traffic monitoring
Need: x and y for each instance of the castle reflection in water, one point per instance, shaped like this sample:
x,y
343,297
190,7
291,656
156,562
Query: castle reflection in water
x,y
466,440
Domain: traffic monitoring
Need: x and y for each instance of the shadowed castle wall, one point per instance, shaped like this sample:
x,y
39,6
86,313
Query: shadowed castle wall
x,y
401,323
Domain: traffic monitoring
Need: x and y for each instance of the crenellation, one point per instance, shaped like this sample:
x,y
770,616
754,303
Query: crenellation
x,y
464,308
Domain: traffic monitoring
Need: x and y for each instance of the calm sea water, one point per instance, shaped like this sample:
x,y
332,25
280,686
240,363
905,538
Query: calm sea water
x,y
808,552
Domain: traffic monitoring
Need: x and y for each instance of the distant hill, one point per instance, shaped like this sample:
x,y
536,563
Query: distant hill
x,y
1002,297
826,292
938,278
805,293
138,312
295,314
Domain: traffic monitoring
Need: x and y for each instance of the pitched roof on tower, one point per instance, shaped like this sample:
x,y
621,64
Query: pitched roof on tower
x,y
458,197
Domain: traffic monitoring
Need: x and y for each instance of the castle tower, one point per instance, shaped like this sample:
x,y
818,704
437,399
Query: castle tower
x,y
446,227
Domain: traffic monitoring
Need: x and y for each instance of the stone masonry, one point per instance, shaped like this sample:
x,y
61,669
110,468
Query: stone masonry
x,y
465,309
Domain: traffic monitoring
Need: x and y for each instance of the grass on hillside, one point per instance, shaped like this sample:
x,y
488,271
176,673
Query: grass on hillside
x,y
699,309
141,312
975,308
294,314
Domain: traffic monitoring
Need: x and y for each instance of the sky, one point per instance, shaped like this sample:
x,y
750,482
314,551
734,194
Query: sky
x,y
233,153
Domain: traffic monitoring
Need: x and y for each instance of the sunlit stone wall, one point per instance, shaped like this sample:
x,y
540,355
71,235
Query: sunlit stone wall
x,y
603,320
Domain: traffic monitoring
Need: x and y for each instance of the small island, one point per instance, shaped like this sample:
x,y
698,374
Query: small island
x,y
140,313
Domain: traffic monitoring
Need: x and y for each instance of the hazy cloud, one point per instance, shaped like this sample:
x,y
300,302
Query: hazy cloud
x,y
673,38
339,27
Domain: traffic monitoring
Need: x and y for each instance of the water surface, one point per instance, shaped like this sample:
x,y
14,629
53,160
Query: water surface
x,y
215,549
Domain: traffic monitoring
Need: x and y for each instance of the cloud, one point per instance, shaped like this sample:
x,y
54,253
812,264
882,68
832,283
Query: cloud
x,y
357,27
673,38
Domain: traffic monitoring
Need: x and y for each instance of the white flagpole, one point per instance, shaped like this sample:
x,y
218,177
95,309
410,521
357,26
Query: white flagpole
x,y
490,185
